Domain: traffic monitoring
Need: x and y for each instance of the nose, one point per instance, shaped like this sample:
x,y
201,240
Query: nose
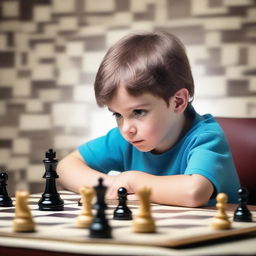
x,y
128,128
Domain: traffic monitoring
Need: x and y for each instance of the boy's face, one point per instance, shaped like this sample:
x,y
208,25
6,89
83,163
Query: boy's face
x,y
146,121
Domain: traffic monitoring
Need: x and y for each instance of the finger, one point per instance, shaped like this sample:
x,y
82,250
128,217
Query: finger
x,y
132,197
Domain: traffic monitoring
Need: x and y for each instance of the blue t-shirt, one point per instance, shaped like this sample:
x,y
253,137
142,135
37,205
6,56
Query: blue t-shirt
x,y
202,150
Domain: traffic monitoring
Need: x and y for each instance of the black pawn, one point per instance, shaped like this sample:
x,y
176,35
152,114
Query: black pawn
x,y
5,200
122,212
242,213
50,200
100,227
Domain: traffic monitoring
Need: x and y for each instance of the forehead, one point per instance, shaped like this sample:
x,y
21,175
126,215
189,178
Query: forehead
x,y
125,101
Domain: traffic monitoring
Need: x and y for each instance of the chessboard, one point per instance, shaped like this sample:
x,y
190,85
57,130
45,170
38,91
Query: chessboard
x,y
175,226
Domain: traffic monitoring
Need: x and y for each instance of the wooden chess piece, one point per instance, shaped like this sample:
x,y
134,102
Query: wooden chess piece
x,y
100,227
221,220
143,222
242,213
84,220
122,211
23,221
5,200
50,199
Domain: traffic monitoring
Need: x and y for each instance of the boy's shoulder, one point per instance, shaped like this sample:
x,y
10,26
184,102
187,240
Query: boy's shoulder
x,y
205,126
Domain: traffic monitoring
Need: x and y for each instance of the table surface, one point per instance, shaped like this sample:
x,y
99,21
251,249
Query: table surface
x,y
238,245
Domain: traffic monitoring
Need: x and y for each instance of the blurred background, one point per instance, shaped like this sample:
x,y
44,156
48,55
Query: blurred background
x,y
50,51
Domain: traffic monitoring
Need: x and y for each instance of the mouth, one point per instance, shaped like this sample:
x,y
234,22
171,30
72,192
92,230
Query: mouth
x,y
136,142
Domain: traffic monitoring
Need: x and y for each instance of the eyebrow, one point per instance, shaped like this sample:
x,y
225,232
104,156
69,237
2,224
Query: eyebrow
x,y
139,106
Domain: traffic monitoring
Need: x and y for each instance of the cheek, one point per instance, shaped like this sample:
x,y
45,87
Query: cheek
x,y
152,129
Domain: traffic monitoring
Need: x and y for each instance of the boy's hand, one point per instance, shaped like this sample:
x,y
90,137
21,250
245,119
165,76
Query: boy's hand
x,y
122,180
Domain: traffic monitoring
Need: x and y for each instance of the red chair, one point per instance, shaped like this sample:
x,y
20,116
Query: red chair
x,y
241,135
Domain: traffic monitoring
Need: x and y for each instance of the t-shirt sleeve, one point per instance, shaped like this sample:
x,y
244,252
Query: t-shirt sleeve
x,y
210,157
104,153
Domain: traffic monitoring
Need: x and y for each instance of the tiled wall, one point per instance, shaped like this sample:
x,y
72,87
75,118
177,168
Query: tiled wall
x,y
50,51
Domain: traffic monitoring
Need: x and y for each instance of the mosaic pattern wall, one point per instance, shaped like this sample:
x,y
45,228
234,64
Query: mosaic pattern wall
x,y
50,51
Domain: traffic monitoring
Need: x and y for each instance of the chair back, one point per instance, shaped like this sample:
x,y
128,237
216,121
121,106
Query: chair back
x,y
241,135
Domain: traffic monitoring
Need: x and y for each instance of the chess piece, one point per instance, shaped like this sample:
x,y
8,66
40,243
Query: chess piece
x,y
23,221
84,220
122,212
242,213
5,200
50,200
100,227
143,222
221,220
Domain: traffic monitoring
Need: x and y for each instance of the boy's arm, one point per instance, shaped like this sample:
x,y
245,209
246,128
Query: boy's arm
x,y
74,172
183,190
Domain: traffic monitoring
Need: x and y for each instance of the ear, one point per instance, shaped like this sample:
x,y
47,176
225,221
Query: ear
x,y
181,98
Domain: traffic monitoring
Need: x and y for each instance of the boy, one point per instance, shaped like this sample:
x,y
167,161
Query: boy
x,y
161,142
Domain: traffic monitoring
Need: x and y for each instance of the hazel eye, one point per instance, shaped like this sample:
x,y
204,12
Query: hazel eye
x,y
116,115
139,112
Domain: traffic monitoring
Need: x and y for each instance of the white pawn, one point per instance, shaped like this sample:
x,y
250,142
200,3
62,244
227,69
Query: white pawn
x,y
221,220
143,222
23,221
84,220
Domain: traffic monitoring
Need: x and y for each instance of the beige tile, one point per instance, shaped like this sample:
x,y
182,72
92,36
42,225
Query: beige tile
x,y
43,72
34,122
35,172
225,107
91,61
138,6
10,26
22,88
60,6
5,155
21,40
213,38
34,106
252,55
67,141
123,18
211,86
115,35
230,54
199,7
68,23
2,108
3,42
237,3
42,13
99,5
75,49
63,61
225,23
84,93
101,122
7,77
68,76
10,9
17,163
252,84
49,95
21,146
44,50
8,132
70,115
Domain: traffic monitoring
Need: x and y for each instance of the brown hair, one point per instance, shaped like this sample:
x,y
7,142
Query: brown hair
x,y
155,63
